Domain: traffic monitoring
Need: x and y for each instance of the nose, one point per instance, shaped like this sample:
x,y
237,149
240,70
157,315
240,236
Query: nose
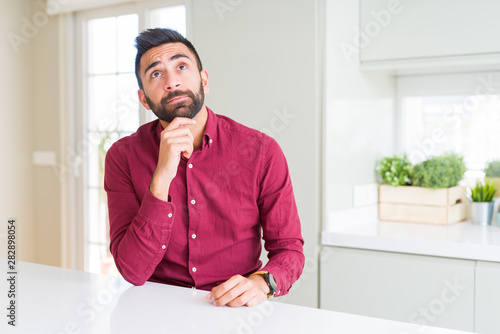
x,y
172,83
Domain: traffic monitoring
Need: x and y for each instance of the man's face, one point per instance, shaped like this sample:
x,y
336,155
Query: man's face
x,y
172,84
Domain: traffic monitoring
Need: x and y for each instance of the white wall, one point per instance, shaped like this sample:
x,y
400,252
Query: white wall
x,y
263,60
360,110
46,120
16,131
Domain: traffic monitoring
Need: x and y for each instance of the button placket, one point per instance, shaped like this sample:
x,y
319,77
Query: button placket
x,y
192,193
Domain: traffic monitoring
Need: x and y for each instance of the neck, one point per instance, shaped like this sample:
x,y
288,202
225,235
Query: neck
x,y
198,129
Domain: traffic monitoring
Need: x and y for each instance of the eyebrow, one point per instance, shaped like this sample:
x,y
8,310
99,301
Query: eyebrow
x,y
156,63
153,64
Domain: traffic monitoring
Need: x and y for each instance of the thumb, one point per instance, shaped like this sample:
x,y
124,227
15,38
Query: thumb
x,y
187,153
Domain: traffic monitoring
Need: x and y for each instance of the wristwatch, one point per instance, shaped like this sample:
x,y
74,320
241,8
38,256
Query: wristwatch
x,y
271,282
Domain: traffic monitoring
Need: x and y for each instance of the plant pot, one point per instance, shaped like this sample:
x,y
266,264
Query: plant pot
x,y
481,213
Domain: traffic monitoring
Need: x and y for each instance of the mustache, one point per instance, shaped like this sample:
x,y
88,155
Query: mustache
x,y
177,93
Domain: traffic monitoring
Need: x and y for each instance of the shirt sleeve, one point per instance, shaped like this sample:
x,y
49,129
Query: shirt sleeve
x,y
139,229
280,220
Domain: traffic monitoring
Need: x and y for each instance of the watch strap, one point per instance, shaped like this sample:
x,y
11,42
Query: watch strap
x,y
269,281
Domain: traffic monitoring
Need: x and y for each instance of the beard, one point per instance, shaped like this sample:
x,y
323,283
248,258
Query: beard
x,y
189,107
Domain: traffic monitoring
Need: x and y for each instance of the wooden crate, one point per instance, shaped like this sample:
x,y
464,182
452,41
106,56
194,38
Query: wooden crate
x,y
422,205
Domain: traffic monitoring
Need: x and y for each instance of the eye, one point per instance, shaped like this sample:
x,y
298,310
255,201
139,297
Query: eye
x,y
182,67
155,74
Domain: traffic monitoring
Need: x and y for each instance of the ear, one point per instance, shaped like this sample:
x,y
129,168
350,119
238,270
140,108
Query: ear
x,y
142,99
204,81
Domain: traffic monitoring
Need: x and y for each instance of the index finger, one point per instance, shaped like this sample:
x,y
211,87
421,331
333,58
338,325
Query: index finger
x,y
178,122
221,289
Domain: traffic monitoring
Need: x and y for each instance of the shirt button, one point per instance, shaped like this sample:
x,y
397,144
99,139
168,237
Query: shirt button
x,y
194,269
193,201
211,141
163,247
190,165
193,236
169,215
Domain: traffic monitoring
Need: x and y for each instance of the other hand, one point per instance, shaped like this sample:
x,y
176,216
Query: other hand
x,y
239,291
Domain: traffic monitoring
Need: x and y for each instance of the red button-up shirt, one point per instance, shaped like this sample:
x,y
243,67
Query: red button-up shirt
x,y
235,185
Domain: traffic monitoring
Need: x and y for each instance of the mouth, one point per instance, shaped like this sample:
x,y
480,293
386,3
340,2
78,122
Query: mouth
x,y
177,99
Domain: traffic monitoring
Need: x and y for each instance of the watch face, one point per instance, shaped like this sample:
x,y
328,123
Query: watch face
x,y
272,283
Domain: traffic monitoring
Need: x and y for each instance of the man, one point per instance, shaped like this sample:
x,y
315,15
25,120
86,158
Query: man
x,y
189,194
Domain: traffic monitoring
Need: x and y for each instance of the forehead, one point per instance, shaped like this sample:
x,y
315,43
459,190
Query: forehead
x,y
165,51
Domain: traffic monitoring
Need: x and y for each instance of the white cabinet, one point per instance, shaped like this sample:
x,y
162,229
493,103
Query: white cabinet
x,y
487,297
424,290
402,30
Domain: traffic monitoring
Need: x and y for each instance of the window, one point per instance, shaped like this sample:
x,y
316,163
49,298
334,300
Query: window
x,y
110,107
451,113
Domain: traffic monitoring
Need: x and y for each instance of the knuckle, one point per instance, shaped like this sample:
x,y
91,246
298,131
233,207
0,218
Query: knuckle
x,y
168,140
232,295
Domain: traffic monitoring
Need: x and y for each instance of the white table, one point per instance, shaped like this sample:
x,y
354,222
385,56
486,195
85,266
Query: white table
x,y
53,300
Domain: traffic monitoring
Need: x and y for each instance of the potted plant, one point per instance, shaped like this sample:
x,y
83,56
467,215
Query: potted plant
x,y
395,170
482,203
492,174
438,172
425,193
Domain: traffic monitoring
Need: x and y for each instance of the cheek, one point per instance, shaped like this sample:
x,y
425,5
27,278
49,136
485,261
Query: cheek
x,y
155,90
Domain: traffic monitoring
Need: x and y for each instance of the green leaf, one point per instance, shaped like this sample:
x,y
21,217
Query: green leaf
x,y
443,171
395,170
483,192
493,169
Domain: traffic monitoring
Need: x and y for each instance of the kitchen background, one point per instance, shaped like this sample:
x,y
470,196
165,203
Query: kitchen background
x,y
338,83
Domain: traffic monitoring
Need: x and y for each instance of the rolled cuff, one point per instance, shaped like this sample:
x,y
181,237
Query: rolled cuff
x,y
156,212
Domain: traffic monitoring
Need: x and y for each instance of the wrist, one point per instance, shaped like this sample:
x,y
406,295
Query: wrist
x,y
260,281
159,188
269,280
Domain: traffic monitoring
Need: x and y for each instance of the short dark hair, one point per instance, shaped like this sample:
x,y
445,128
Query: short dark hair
x,y
151,38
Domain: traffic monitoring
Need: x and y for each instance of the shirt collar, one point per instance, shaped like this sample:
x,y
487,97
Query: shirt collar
x,y
210,134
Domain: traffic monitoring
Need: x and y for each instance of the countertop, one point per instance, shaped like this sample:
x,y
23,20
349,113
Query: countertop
x,y
461,240
54,300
